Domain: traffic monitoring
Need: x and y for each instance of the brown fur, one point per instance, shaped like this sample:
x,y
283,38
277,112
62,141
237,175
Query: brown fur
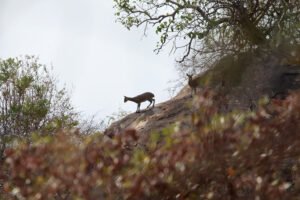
x,y
147,96
193,83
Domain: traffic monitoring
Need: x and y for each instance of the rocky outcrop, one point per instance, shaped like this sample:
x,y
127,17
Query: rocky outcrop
x,y
241,81
154,119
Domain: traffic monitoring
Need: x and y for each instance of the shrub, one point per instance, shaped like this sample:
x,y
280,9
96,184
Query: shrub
x,y
30,100
240,155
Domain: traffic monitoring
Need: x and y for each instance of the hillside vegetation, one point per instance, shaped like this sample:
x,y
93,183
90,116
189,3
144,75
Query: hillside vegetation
x,y
239,155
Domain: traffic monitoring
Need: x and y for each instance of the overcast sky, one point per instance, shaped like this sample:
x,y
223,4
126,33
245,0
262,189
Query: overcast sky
x,y
98,59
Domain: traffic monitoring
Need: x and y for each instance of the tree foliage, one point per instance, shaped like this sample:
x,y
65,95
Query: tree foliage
x,y
214,27
235,156
30,100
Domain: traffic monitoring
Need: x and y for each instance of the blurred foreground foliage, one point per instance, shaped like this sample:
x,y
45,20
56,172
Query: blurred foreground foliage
x,y
240,155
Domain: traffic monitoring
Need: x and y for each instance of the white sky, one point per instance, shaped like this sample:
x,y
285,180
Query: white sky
x,y
98,59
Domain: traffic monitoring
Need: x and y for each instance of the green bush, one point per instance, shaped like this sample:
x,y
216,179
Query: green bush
x,y
30,100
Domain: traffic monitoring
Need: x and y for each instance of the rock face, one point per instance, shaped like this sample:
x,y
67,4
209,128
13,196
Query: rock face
x,y
156,118
242,82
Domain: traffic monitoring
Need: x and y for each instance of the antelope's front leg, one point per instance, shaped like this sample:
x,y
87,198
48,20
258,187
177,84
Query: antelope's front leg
x,y
138,108
149,104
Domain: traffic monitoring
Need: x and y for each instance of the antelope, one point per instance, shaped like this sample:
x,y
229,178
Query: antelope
x,y
193,83
147,96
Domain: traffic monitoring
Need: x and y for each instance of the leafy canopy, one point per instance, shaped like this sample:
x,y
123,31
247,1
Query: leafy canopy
x,y
30,100
214,26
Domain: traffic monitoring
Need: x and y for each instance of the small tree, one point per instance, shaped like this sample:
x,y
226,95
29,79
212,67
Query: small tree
x,y
30,100
214,27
